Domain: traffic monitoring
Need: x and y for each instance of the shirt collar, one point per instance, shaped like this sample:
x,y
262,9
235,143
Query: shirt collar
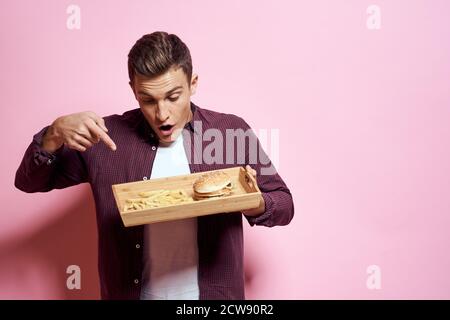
x,y
195,117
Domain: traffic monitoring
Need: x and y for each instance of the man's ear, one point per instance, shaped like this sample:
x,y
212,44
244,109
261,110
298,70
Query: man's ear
x,y
194,81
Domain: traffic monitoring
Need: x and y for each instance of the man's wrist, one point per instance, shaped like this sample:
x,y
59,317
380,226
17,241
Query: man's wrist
x,y
50,141
256,211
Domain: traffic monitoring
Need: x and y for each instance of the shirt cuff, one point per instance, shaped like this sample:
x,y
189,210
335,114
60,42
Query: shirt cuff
x,y
266,215
40,155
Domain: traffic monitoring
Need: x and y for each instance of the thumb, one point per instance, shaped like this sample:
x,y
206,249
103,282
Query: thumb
x,y
101,124
99,121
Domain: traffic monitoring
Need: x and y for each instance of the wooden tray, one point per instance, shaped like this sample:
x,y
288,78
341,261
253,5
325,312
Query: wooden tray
x,y
246,195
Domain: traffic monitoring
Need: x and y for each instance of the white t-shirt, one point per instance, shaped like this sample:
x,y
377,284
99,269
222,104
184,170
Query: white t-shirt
x,y
170,248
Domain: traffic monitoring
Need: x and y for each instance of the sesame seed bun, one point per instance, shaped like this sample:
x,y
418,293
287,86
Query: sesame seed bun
x,y
213,184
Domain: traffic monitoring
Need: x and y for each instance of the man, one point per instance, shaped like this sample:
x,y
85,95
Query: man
x,y
196,258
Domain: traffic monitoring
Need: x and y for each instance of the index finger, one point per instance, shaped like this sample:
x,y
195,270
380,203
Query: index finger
x,y
102,135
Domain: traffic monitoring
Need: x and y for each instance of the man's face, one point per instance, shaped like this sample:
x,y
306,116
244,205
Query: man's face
x,y
165,101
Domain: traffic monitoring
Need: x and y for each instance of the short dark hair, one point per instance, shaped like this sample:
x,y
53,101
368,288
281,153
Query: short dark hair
x,y
155,53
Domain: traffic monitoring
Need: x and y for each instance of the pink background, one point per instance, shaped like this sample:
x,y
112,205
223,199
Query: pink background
x,y
364,134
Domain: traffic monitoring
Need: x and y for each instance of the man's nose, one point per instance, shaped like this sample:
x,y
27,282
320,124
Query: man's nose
x,y
163,112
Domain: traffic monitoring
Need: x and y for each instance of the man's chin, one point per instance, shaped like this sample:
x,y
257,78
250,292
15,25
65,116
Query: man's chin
x,y
166,139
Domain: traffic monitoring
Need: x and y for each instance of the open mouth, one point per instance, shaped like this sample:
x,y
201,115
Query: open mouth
x,y
166,129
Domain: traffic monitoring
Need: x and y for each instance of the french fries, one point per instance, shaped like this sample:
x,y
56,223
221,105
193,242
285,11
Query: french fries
x,y
157,198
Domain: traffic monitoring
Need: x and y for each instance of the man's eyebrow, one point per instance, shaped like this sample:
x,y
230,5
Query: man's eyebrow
x,y
167,93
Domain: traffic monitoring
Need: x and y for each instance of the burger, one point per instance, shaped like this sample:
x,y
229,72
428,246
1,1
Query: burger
x,y
212,185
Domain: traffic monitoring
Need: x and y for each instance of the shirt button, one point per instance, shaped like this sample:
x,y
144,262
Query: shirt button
x,y
153,148
138,245
49,161
144,178
136,281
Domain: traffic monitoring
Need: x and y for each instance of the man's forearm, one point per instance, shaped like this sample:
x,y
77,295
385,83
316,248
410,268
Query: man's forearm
x,y
38,171
33,175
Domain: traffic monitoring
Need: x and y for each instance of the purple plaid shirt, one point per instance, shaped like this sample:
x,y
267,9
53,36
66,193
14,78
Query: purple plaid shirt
x,y
120,252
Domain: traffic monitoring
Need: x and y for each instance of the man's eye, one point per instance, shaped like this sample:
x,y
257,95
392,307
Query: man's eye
x,y
174,98
149,101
